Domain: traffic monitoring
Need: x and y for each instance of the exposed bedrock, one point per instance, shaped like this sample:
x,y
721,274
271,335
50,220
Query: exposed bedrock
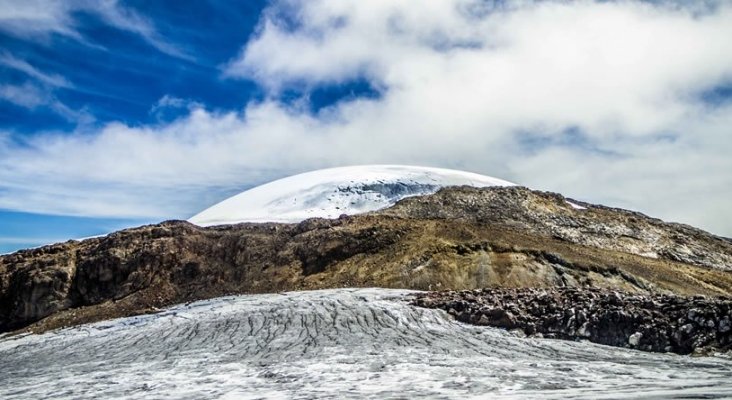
x,y
659,323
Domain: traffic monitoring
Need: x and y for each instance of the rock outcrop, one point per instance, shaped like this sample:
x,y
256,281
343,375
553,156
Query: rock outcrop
x,y
550,214
659,323
458,238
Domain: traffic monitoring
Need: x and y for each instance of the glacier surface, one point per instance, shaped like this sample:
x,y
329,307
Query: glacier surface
x,y
333,344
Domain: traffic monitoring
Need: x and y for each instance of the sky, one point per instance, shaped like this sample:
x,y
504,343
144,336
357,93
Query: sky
x,y
120,113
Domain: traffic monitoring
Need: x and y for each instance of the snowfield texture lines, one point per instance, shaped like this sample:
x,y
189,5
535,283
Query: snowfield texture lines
x,y
332,344
329,193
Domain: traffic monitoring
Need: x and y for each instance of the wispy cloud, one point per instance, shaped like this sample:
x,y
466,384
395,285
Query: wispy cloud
x,y
55,80
38,90
36,19
127,19
26,95
461,85
31,96
169,101
39,19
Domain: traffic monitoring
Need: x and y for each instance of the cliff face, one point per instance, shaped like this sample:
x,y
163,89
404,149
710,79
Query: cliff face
x,y
458,238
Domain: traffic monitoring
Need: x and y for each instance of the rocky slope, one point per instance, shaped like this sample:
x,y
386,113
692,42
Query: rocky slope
x,y
458,238
659,323
550,214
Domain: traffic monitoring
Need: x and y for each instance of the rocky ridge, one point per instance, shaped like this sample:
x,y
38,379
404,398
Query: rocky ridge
x,y
550,214
658,323
458,238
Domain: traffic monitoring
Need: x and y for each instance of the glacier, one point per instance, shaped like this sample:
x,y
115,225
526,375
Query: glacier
x,y
333,344
329,193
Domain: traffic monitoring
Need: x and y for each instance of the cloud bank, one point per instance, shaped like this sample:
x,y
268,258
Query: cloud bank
x,y
610,102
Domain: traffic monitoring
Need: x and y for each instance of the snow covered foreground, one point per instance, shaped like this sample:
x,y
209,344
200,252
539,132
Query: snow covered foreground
x,y
328,193
333,344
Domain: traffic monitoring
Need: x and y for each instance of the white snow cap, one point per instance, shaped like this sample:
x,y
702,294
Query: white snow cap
x,y
328,193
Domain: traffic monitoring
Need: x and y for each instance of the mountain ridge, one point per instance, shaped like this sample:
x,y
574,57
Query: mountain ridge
x,y
457,238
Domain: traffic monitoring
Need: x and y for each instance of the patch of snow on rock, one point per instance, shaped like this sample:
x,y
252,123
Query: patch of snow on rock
x,y
576,206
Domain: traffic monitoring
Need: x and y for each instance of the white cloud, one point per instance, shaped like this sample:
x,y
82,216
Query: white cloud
x,y
598,100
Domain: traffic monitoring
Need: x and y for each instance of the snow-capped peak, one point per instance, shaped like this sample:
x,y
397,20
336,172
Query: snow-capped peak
x,y
329,193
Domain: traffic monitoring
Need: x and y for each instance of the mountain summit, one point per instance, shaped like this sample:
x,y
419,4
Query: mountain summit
x,y
329,193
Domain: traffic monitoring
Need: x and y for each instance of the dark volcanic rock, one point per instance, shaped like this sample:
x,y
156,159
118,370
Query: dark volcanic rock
x,y
659,323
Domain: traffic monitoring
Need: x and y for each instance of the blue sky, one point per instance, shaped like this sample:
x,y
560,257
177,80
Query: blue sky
x,y
118,113
109,74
